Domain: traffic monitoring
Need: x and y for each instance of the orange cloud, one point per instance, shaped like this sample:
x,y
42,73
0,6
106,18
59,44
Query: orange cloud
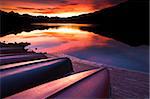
x,y
61,8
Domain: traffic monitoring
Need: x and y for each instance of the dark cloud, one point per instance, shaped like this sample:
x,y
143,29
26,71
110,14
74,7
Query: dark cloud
x,y
26,8
56,8
42,9
73,3
116,1
44,1
98,4
50,1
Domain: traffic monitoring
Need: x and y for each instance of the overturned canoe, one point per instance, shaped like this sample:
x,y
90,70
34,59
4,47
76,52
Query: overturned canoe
x,y
91,84
21,58
21,78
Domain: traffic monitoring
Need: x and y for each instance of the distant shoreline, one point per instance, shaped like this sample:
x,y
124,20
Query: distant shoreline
x,y
94,63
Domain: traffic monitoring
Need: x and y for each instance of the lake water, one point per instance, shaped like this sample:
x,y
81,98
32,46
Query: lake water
x,y
70,39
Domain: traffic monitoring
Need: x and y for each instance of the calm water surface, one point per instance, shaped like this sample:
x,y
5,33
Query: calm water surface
x,y
70,39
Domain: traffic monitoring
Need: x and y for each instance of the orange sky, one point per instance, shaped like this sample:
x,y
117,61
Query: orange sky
x,y
60,8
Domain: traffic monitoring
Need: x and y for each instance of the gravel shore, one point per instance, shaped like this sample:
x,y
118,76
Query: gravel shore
x,y
125,83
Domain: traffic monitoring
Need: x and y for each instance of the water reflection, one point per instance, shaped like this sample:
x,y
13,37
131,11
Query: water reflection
x,y
64,37
70,39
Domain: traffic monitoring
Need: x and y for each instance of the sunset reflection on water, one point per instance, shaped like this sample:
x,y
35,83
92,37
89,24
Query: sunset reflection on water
x,y
71,40
62,38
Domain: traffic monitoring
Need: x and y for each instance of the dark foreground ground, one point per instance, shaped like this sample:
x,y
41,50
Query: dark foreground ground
x,y
125,84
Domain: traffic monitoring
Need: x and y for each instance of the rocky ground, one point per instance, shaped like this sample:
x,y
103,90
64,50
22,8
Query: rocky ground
x,y
125,84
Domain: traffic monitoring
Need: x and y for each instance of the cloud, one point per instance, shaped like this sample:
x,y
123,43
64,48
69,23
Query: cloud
x,y
25,8
50,7
48,1
9,9
40,9
73,3
116,1
38,1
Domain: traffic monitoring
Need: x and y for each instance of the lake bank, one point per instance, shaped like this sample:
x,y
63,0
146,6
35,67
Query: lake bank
x,y
92,63
125,83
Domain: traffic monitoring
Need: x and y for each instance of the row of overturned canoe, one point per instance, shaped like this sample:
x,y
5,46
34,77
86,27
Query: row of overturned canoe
x,y
35,76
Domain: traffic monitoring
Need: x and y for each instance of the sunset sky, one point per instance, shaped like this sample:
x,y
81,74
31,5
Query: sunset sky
x,y
60,8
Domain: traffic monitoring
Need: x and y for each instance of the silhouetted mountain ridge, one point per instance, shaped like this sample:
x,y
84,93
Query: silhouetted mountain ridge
x,y
127,22
12,23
